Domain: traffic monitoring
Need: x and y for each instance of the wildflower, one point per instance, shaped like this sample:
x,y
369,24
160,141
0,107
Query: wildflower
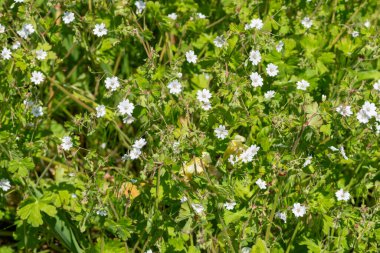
x,y
101,212
6,54
25,31
272,70
247,155
255,23
342,195
16,45
198,208
19,1
179,75
183,199
376,86
299,210
37,77
255,57
37,111
257,80
2,29
206,106
100,30
307,161
204,95
355,34
281,215
175,87
229,205
100,111
367,24
269,94
139,144
367,112
201,16
68,17
261,184
126,107
343,153
5,185
344,110
140,5
112,83
28,103
66,143
307,22
232,159
333,148
173,16
302,85
324,97
279,46
134,153
41,55
221,132
128,120
149,251
246,250
219,41
191,57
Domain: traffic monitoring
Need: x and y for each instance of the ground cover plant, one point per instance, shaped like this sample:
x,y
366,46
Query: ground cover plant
x,y
189,126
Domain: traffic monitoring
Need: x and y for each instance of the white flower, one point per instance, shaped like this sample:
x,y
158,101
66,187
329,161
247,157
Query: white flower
x,y
179,75
343,153
257,80
344,110
219,41
140,5
2,29
272,70
101,212
342,195
229,205
333,148
246,250
269,94
175,87
302,85
25,31
233,159
355,34
255,23
367,112
6,54
183,199
128,120
28,103
41,55
362,117
37,77
191,57
198,208
173,16
247,155
307,22
206,106
149,251
139,144
126,107
100,111
307,161
19,1
112,83
376,86
37,111
200,15
16,45
5,185
66,143
204,95
134,154
299,210
221,132
255,57
100,30
261,184
281,215
367,24
324,97
279,46
68,17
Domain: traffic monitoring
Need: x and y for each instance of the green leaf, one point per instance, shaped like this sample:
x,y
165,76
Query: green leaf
x,y
21,166
259,247
31,211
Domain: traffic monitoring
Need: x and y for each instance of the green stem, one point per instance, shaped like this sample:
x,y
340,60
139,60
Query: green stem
x,y
267,233
293,236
